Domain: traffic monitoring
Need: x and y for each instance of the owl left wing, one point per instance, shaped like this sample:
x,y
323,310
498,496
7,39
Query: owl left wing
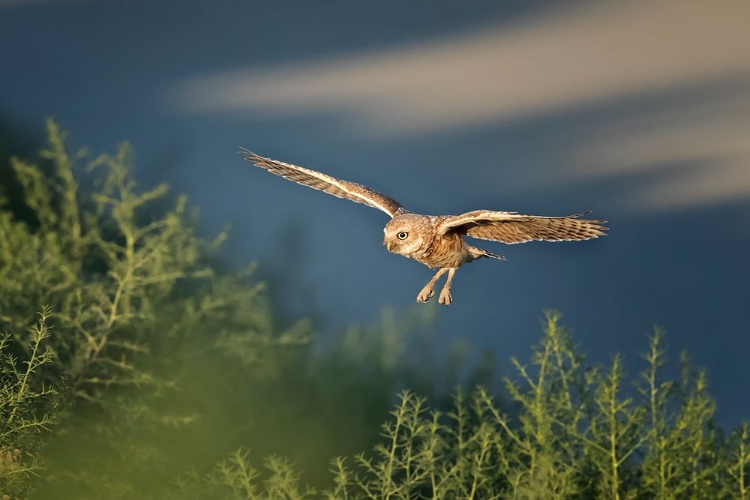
x,y
322,182
510,227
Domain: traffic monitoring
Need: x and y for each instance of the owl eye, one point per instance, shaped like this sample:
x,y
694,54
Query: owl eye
x,y
402,235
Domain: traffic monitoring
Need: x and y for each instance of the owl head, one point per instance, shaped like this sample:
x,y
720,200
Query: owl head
x,y
405,234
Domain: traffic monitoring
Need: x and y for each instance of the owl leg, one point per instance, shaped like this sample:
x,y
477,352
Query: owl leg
x,y
445,294
429,289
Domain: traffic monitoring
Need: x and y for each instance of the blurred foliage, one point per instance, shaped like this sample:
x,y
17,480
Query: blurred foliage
x,y
14,141
133,291
167,358
578,435
159,362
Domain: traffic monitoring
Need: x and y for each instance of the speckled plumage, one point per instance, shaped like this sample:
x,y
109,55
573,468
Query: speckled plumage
x,y
437,240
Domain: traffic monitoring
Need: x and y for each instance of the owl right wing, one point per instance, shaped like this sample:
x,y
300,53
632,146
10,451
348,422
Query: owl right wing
x,y
510,227
322,182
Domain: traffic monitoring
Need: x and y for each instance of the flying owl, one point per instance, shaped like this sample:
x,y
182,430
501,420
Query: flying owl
x,y
437,240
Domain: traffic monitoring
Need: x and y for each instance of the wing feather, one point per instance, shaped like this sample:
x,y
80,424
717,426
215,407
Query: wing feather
x,y
322,182
510,227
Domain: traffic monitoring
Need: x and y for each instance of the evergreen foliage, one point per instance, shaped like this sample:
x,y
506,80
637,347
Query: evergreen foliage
x,y
27,409
578,435
157,363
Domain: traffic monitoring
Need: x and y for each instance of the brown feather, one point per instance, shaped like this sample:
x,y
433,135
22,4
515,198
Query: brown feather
x,y
322,182
508,227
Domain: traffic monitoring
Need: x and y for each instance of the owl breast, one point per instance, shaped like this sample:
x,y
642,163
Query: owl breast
x,y
444,251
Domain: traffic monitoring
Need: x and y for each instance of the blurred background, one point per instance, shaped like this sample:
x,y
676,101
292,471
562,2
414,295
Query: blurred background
x,y
639,111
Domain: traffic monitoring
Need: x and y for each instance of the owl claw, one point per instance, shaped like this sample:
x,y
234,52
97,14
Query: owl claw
x,y
425,295
445,297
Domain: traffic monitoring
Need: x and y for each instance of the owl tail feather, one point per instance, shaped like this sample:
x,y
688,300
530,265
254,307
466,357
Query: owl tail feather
x,y
493,256
478,253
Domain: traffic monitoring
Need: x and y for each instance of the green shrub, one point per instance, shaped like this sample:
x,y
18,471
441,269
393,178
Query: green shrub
x,y
162,363
168,361
27,409
577,435
135,294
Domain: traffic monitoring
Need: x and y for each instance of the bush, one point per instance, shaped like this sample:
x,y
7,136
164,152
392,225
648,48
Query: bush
x,y
577,435
161,363
168,361
27,409
135,293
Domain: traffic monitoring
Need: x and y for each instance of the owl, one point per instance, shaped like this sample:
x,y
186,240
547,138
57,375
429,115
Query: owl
x,y
437,241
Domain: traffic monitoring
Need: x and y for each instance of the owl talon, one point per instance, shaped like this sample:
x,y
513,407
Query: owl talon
x,y
425,295
445,297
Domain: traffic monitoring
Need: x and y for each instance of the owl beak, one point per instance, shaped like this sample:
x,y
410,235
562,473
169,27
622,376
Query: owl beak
x,y
387,245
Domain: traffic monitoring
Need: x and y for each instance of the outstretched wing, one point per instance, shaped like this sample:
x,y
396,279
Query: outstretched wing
x,y
510,227
316,180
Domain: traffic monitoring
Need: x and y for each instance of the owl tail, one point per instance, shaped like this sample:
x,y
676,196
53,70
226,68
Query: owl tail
x,y
493,256
478,253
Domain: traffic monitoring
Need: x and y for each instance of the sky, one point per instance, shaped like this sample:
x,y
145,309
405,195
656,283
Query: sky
x,y
638,110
